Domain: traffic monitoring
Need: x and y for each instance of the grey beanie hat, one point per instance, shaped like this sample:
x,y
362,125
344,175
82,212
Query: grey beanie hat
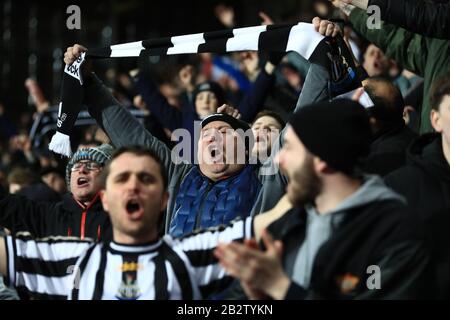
x,y
99,154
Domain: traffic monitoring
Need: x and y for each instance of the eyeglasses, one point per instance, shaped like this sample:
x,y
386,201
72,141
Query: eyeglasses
x,y
90,166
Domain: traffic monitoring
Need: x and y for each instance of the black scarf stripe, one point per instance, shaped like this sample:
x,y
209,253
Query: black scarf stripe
x,y
36,266
164,42
180,271
161,279
201,258
215,41
276,40
82,267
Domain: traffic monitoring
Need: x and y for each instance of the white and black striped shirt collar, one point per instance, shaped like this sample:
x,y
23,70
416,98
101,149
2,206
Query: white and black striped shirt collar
x,y
135,248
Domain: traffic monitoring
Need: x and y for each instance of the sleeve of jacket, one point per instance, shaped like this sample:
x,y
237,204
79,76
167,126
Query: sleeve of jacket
x,y
408,49
123,129
18,213
166,114
426,18
253,101
405,272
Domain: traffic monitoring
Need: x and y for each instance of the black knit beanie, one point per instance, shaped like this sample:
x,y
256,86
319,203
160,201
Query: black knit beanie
x,y
338,132
214,88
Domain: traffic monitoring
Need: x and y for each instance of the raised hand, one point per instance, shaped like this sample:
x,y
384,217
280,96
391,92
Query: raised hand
x,y
326,28
229,110
225,14
187,77
259,271
266,19
73,53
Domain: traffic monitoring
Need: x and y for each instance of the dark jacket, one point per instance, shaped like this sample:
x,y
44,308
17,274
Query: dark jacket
x,y
388,150
202,203
373,234
40,192
425,181
426,18
65,218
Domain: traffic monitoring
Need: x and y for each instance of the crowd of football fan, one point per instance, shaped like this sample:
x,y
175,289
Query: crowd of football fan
x,y
332,200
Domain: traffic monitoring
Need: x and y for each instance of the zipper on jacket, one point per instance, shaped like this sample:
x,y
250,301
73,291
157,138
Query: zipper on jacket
x,y
202,204
83,215
83,224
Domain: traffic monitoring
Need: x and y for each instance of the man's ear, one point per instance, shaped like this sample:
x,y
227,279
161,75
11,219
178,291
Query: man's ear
x,y
320,166
435,118
103,199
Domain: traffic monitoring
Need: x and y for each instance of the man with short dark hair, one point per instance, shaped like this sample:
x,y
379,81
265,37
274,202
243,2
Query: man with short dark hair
x,y
391,136
266,128
137,264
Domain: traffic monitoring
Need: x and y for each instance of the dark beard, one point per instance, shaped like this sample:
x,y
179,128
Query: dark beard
x,y
305,185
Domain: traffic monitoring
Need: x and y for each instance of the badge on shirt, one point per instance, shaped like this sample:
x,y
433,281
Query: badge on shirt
x,y
129,289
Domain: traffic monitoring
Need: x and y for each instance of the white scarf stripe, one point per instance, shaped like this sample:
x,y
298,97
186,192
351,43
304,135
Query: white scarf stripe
x,y
128,46
303,39
186,44
245,39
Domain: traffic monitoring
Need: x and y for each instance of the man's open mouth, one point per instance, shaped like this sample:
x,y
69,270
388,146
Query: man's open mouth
x,y
132,206
82,181
215,154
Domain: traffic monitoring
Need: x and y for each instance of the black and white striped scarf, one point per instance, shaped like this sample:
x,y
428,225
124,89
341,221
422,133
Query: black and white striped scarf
x,y
301,38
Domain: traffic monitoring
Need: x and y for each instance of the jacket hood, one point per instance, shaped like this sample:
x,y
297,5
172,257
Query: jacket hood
x,y
426,153
373,189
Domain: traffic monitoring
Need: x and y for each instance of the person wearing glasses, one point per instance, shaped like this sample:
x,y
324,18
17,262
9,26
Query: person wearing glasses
x,y
80,213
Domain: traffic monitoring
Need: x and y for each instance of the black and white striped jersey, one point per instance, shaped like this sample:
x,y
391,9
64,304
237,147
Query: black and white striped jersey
x,y
69,268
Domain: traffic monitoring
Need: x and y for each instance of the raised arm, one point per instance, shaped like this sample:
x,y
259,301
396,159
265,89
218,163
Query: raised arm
x,y
253,101
166,113
408,49
118,123
422,17
124,129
